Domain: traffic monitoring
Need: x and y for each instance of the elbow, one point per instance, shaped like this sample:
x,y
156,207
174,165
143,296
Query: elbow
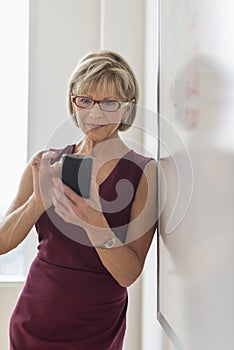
x,y
131,275
127,282
3,245
4,248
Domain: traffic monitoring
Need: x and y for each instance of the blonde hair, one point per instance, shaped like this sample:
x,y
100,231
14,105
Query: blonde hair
x,y
108,69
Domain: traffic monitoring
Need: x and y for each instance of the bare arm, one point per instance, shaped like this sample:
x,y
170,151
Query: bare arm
x,y
124,262
21,216
26,208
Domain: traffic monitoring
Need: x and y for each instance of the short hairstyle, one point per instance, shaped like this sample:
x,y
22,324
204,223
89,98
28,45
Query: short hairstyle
x,y
108,69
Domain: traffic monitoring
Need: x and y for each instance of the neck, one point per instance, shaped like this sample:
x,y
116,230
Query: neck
x,y
111,148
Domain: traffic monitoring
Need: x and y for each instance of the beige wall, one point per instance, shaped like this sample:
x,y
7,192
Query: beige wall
x,y
9,292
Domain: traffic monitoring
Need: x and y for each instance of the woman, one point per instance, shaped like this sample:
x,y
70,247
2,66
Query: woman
x,y
75,295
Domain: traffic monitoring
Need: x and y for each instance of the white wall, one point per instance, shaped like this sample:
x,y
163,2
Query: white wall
x,y
59,36
152,333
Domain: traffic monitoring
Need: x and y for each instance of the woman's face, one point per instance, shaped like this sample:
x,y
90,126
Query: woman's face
x,y
99,125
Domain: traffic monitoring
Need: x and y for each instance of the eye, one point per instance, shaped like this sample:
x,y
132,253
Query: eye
x,y
109,103
83,102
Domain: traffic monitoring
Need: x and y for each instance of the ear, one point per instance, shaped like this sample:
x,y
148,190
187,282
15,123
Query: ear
x,y
127,110
74,115
74,119
72,104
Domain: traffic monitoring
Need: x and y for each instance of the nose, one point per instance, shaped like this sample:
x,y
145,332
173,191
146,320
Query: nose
x,y
95,111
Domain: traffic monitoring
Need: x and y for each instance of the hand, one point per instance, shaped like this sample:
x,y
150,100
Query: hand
x,y
75,209
43,173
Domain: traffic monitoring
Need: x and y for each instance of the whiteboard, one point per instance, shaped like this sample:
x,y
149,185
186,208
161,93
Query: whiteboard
x,y
196,240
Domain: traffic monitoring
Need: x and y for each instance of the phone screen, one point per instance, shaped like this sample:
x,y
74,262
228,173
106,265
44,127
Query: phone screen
x,y
76,173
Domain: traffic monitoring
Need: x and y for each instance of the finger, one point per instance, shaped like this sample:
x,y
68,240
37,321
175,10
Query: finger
x,y
68,192
47,157
93,188
35,166
58,191
58,184
94,200
60,211
58,204
61,202
67,212
56,169
59,196
35,161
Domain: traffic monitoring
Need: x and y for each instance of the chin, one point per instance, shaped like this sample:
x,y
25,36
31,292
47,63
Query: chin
x,y
101,135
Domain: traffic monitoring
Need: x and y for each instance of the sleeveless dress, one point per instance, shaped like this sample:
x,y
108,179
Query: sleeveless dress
x,y
70,301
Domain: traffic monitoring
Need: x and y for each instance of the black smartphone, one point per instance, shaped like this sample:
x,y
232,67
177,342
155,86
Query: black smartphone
x,y
76,173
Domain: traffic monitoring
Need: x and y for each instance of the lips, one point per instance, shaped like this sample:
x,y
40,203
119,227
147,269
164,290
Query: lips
x,y
94,126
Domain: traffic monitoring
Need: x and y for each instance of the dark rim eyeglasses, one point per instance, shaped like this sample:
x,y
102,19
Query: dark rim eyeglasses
x,y
84,102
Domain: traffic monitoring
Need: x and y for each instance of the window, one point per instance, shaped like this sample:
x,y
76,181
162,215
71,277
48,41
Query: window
x,y
14,30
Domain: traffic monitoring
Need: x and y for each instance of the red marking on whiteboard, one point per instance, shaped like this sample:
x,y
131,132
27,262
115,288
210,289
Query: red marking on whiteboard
x,y
193,116
193,86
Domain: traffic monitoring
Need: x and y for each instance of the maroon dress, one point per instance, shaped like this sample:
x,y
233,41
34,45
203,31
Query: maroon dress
x,y
70,301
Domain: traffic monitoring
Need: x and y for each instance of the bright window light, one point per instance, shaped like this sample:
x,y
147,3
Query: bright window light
x,y
14,33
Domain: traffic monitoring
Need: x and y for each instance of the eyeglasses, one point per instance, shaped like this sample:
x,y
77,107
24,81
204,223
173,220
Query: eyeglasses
x,y
105,105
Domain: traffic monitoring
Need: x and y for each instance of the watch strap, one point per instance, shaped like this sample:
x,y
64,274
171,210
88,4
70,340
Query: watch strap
x,y
109,243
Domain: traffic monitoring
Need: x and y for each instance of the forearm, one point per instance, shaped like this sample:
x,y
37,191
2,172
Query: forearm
x,y
121,261
15,226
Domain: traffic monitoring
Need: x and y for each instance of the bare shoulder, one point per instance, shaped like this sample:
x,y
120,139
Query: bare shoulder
x,y
146,194
150,172
25,188
144,212
147,187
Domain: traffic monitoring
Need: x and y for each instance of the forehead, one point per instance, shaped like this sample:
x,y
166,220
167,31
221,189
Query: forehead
x,y
100,89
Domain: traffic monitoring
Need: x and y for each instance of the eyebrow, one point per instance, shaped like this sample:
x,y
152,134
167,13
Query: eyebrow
x,y
103,99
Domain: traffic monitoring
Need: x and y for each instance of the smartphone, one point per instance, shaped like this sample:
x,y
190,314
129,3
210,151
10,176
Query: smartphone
x,y
76,173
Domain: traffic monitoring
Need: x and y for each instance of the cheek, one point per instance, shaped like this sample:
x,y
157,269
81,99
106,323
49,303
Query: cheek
x,y
81,117
114,118
111,128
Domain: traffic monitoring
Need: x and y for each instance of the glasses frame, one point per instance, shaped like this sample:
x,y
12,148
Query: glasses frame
x,y
120,104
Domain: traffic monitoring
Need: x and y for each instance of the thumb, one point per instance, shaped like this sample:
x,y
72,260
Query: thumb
x,y
35,164
94,199
35,161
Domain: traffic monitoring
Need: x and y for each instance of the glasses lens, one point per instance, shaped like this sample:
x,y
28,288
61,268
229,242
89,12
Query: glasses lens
x,y
83,102
109,106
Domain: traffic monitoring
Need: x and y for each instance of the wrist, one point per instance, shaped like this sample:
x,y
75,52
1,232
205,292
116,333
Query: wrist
x,y
100,233
35,205
109,243
99,221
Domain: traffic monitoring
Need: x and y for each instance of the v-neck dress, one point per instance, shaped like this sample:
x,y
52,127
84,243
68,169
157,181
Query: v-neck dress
x,y
70,301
